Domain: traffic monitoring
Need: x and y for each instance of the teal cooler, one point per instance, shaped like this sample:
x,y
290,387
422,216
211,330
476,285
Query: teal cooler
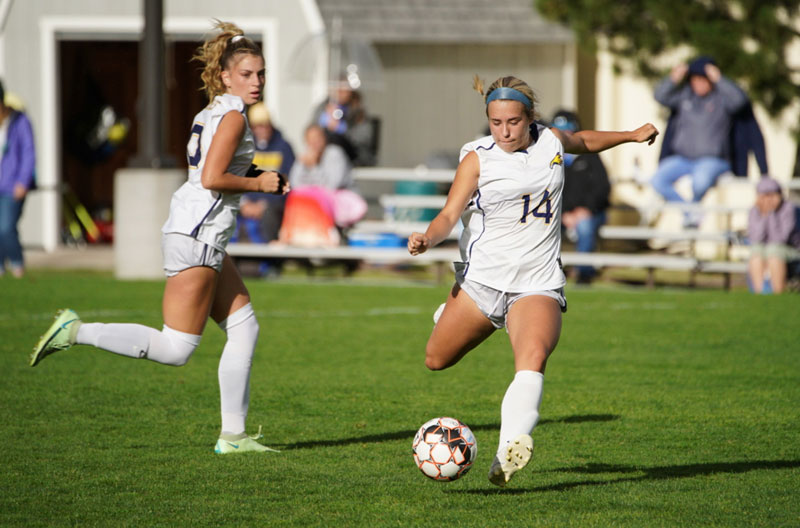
x,y
415,214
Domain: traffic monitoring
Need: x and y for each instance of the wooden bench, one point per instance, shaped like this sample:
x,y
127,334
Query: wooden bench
x,y
440,257
649,233
383,178
393,175
444,257
415,201
648,262
399,228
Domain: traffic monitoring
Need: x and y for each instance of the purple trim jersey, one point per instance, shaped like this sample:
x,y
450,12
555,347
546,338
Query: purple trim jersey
x,y
209,216
512,227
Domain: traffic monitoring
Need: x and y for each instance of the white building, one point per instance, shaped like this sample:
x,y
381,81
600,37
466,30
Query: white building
x,y
63,59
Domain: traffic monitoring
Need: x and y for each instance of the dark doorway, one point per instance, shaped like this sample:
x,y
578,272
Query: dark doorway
x,y
99,90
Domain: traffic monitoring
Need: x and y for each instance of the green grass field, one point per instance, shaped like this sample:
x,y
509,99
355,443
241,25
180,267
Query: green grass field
x,y
661,408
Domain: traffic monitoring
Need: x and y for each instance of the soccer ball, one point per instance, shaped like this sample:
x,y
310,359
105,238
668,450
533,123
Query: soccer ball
x,y
444,449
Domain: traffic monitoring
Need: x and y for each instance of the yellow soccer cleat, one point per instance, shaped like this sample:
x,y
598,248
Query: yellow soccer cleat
x,y
60,336
241,443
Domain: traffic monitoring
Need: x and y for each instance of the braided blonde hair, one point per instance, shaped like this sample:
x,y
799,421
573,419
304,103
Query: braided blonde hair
x,y
509,81
219,52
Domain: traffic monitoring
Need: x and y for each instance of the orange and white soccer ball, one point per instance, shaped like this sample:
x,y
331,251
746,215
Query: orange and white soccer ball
x,y
444,449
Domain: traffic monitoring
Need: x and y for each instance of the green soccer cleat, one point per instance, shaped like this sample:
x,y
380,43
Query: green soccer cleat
x,y
241,443
516,456
60,336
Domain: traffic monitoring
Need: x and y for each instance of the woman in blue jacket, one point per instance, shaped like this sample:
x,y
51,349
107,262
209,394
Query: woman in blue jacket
x,y
17,164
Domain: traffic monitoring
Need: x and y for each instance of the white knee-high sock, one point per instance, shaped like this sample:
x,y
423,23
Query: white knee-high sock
x,y
234,368
169,346
520,409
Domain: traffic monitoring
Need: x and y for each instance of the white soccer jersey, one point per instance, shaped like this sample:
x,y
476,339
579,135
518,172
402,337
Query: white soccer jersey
x,y
206,215
512,227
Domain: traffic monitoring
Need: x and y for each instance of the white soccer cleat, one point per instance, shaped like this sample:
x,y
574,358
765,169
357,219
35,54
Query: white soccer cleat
x,y
515,456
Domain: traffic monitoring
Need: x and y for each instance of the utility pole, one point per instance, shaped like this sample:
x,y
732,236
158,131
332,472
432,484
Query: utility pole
x,y
142,191
151,90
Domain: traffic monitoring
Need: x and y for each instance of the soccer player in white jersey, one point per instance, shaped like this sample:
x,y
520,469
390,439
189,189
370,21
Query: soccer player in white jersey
x,y
507,192
202,280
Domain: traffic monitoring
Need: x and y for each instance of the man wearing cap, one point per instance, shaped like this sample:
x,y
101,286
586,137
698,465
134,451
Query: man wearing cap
x,y
585,195
261,214
774,237
703,108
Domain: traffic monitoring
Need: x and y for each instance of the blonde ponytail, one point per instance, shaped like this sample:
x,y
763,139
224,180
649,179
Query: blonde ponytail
x,y
217,54
477,84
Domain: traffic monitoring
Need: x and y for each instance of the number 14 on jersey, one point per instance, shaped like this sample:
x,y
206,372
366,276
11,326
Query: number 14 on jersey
x,y
526,205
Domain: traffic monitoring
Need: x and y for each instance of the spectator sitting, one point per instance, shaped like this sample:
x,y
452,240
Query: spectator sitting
x,y
322,163
774,238
322,196
261,214
361,133
699,141
585,195
343,116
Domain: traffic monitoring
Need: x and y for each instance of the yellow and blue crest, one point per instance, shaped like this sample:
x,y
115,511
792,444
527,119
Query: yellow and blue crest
x,y
557,160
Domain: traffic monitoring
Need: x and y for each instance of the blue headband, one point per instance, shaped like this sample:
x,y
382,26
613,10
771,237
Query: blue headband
x,y
505,92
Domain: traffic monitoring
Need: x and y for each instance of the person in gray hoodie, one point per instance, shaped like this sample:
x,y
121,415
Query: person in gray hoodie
x,y
703,102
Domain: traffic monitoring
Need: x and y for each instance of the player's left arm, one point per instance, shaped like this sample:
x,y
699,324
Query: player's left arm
x,y
215,175
585,141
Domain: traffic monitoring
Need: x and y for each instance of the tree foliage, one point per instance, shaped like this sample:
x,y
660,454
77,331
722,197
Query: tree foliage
x,y
749,39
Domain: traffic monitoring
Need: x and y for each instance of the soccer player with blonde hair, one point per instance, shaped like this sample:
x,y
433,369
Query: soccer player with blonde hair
x,y
202,280
507,192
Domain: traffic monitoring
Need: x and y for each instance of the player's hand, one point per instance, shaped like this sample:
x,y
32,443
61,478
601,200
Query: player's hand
x,y
418,244
273,182
678,73
645,133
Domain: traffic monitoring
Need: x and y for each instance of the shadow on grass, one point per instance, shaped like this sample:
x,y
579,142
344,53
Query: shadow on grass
x,y
649,474
409,433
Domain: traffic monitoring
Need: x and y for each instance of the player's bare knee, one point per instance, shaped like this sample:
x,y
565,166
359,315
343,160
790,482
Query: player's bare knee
x,y
532,357
433,363
434,359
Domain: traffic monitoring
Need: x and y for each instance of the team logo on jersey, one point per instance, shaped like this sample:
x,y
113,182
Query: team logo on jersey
x,y
557,160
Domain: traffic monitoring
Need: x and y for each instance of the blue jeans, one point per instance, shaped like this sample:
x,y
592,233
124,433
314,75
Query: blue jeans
x,y
251,227
10,248
703,171
587,240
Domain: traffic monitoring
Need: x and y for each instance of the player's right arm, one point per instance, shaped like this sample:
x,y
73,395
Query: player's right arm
x,y
464,186
220,153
